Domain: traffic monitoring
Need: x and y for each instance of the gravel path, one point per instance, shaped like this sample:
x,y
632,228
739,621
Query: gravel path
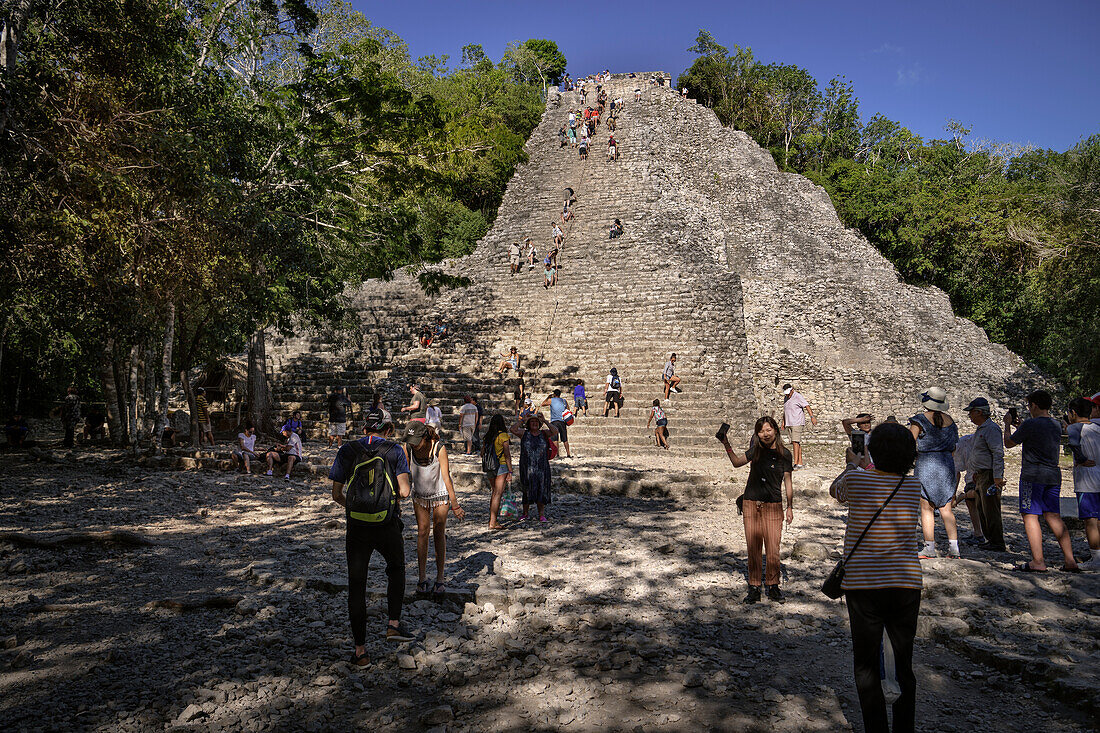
x,y
620,614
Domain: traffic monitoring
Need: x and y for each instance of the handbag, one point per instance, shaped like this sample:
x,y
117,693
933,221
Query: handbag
x,y
832,585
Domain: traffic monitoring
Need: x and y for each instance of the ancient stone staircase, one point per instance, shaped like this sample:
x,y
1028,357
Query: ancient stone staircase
x,y
743,271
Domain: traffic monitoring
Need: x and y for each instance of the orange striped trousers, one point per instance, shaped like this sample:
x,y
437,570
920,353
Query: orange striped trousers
x,y
763,529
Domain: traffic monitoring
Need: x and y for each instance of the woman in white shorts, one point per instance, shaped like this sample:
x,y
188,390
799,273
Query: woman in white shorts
x,y
433,496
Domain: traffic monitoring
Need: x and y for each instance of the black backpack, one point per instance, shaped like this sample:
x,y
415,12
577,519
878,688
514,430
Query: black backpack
x,y
372,488
490,461
616,384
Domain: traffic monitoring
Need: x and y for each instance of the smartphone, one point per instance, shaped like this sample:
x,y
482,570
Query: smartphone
x,y
722,430
1013,416
859,442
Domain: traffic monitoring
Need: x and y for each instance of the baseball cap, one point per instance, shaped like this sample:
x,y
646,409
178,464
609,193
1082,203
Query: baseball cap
x,y
378,424
1095,398
414,432
978,403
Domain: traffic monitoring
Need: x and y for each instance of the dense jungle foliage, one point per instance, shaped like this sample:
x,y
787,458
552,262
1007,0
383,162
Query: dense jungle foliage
x,y
177,175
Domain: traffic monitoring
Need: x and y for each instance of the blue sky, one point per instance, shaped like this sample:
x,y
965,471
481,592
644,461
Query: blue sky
x,y
1014,71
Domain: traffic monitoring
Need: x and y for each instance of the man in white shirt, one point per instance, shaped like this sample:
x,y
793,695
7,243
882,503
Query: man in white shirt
x,y
513,256
289,453
467,422
795,409
1085,440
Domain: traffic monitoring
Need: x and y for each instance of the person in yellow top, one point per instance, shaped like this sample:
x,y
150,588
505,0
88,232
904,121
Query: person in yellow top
x,y
497,460
202,407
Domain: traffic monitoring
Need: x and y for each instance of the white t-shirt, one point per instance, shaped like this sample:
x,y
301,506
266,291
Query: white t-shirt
x,y
1086,479
248,441
467,416
613,389
295,445
513,249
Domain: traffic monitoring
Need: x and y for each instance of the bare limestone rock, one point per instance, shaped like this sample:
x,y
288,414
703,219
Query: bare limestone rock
x,y
744,271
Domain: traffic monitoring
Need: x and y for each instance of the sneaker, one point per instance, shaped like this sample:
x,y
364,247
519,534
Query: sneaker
x,y
677,390
287,476
987,545
753,596
398,633
928,555
774,594
798,467
972,540
1089,565
955,554
268,473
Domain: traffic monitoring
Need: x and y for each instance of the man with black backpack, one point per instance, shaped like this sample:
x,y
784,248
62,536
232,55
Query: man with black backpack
x,y
368,477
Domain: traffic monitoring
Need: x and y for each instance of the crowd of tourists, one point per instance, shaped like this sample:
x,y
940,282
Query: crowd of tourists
x,y
900,477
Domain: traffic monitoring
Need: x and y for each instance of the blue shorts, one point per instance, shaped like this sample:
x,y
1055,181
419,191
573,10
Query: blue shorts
x,y
502,470
1039,498
1088,505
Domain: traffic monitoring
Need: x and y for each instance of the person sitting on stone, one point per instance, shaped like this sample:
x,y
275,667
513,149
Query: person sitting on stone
x,y
16,430
550,273
245,450
557,234
168,437
288,453
425,337
530,253
509,361
95,427
563,137
616,230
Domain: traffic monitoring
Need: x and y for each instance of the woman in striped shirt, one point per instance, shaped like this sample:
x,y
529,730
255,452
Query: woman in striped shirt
x,y
882,580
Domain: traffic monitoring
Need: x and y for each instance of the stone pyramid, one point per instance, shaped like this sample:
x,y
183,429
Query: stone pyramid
x,y
745,272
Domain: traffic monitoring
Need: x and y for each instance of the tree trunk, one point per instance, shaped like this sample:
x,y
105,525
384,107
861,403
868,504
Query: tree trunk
x,y
11,31
149,411
133,396
259,396
122,389
185,382
110,391
166,367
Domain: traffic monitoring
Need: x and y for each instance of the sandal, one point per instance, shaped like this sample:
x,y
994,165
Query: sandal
x,y
423,586
1067,569
439,590
360,660
1026,568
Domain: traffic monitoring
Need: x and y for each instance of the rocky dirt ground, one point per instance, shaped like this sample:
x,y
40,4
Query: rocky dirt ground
x,y
622,613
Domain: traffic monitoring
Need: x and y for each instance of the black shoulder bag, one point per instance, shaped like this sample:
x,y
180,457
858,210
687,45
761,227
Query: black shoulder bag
x,y
831,586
